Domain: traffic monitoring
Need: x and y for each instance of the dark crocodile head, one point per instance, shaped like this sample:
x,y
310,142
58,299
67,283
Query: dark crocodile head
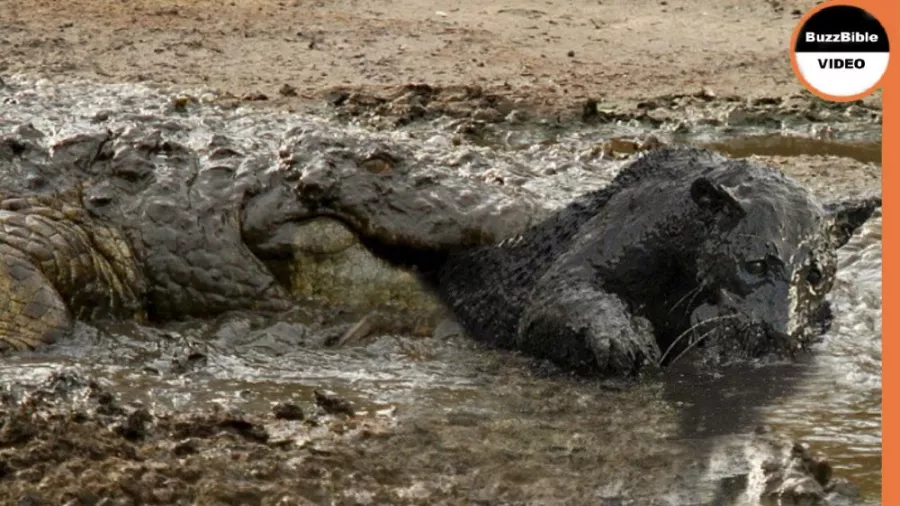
x,y
767,266
180,209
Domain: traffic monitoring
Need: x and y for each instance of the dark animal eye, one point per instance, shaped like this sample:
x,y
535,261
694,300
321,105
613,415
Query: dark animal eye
x,y
756,267
814,276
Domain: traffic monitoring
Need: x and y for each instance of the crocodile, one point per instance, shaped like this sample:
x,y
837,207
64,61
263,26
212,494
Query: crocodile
x,y
134,222
685,249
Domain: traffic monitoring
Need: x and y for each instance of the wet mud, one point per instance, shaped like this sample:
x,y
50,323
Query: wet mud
x,y
70,440
253,409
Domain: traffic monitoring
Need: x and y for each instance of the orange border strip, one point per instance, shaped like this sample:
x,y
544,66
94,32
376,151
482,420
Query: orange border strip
x,y
888,13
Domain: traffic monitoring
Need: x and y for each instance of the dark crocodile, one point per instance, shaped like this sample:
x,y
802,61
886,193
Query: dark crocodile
x,y
132,223
121,225
685,248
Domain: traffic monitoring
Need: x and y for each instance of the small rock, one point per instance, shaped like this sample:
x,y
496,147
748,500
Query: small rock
x,y
180,102
487,114
187,447
134,427
767,101
108,404
619,148
337,98
705,94
332,404
100,117
183,365
28,131
571,54
589,110
255,97
287,90
472,128
821,469
288,411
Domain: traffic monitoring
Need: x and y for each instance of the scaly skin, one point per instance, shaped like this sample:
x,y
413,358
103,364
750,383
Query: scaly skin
x,y
683,242
56,265
133,222
121,225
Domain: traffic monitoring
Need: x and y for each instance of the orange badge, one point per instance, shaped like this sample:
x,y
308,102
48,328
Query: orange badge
x,y
839,51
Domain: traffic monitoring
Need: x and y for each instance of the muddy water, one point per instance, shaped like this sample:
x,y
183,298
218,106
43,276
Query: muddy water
x,y
479,419
846,372
786,145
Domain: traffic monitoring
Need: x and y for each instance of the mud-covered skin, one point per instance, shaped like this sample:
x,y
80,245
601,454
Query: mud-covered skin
x,y
121,225
181,210
385,190
684,248
132,221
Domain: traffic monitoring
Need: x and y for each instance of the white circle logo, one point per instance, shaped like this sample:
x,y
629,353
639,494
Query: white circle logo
x,y
840,52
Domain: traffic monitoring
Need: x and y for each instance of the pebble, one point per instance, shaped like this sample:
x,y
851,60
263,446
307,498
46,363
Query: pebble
x,y
254,97
288,411
287,90
487,114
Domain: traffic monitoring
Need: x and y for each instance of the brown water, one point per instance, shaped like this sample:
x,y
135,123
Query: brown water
x,y
794,145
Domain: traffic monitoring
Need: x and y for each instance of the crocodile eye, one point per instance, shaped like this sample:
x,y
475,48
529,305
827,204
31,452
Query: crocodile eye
x,y
814,276
756,267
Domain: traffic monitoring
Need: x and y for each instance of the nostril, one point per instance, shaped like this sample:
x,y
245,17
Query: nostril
x,y
100,200
35,181
311,188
